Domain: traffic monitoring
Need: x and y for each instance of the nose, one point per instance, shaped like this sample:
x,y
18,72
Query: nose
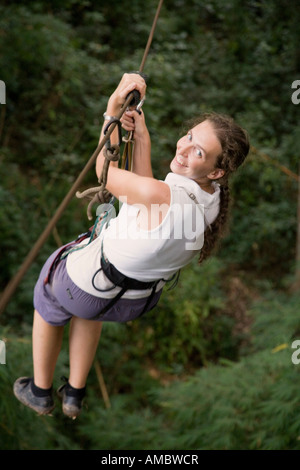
x,y
183,144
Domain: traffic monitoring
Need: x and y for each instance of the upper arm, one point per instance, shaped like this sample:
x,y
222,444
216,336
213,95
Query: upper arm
x,y
136,189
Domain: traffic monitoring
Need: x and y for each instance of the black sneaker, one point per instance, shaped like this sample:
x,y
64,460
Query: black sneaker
x,y
72,399
23,392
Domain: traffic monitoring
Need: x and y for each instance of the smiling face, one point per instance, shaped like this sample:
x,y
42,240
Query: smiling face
x,y
196,155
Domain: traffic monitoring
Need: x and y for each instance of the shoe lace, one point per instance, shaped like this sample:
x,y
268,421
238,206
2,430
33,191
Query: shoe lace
x,y
26,381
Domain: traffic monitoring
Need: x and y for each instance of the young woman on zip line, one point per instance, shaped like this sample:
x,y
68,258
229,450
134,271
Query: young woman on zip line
x,y
120,275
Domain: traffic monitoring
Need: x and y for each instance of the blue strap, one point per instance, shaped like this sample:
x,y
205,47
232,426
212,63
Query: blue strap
x,y
101,220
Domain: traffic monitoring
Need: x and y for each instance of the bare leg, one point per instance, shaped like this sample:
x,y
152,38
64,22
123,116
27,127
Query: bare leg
x,y
84,337
46,344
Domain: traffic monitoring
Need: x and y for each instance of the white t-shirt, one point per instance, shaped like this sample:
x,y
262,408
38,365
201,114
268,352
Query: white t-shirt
x,y
148,255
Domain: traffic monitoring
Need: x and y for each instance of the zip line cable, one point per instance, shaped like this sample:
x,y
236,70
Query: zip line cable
x,y
13,284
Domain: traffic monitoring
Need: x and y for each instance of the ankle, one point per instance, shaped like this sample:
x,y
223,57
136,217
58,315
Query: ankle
x,y
40,392
75,392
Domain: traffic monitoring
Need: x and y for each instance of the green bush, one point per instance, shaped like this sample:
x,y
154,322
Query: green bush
x,y
20,427
251,404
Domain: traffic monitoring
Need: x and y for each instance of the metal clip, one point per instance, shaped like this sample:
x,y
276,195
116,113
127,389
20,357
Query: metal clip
x,y
140,104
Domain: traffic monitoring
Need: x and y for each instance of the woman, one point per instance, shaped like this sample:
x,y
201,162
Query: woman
x,y
120,275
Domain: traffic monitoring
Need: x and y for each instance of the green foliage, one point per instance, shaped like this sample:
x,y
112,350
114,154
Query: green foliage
x,y
251,404
180,377
20,427
183,333
263,223
191,329
271,312
245,405
248,404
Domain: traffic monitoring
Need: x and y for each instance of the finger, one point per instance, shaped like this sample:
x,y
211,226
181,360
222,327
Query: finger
x,y
126,118
128,123
128,115
128,128
136,77
130,84
127,89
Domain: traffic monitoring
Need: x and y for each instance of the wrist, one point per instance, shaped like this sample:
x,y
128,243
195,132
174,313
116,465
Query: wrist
x,y
108,117
142,136
112,107
142,142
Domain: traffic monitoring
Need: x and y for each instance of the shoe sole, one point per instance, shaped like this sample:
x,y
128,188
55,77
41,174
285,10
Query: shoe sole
x,y
69,411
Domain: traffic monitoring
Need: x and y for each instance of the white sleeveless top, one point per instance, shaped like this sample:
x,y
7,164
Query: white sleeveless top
x,y
148,255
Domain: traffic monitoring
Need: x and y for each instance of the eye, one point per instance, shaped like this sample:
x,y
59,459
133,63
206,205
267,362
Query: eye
x,y
189,136
198,152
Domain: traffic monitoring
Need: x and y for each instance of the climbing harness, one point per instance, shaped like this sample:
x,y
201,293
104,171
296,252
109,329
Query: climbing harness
x,y
124,282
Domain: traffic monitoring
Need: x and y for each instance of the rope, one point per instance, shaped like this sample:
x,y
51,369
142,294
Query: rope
x,y
128,148
150,36
14,282
100,194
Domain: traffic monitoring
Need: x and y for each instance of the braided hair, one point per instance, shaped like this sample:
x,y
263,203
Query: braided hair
x,y
235,147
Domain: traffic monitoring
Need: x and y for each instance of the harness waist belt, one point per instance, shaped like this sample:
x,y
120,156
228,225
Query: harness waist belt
x,y
120,280
125,282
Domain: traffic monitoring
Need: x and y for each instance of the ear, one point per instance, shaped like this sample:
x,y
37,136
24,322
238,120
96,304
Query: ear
x,y
216,174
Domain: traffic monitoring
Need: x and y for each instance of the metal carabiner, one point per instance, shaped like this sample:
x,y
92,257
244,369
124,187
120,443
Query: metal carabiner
x,y
140,104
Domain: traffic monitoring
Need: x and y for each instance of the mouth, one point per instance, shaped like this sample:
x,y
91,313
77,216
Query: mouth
x,y
180,160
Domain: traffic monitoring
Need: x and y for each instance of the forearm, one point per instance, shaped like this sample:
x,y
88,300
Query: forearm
x,y
141,164
141,158
139,186
142,150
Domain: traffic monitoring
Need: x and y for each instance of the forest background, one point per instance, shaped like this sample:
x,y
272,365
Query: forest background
x,y
215,365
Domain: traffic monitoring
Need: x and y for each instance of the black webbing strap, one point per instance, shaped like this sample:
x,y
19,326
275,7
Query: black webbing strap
x,y
125,282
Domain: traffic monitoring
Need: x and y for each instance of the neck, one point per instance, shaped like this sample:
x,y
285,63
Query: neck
x,y
207,186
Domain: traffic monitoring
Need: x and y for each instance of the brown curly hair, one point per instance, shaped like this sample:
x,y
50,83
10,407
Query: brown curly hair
x,y
235,145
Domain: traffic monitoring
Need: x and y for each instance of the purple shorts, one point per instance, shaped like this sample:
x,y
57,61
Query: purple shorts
x,y
60,299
